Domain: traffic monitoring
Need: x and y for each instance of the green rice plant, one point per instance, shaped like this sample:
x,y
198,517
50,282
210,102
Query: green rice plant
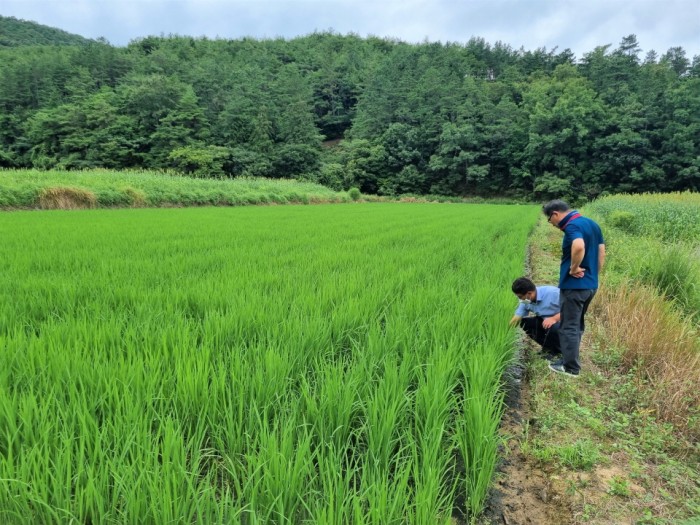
x,y
477,431
433,450
277,364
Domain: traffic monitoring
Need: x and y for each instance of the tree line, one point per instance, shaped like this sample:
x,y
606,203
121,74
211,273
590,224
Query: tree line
x,y
382,115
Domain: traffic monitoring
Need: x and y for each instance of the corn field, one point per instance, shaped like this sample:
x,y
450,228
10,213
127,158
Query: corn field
x,y
327,364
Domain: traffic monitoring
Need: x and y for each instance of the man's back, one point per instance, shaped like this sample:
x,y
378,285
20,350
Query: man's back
x,y
588,230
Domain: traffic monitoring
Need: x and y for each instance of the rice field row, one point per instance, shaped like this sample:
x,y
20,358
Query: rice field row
x,y
330,364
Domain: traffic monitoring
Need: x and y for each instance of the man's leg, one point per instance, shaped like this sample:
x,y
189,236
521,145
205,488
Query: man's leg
x,y
547,339
574,304
551,340
532,326
585,309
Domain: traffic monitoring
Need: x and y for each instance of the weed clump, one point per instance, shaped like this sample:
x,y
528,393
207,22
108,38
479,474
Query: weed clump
x,y
66,198
624,220
137,198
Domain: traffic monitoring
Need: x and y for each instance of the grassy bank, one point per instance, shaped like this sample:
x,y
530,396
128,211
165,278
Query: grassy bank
x,y
55,189
620,444
103,188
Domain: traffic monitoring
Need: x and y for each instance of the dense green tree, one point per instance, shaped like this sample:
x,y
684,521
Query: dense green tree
x,y
564,119
680,152
459,119
675,59
453,166
15,32
365,164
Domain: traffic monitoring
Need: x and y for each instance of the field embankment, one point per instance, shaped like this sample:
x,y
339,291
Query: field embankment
x,y
37,189
287,364
619,444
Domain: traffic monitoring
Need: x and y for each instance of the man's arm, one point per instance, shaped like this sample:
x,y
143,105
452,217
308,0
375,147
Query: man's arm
x,y
548,322
578,250
601,256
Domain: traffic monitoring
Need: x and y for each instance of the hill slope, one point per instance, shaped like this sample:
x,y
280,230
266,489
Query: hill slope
x,y
15,32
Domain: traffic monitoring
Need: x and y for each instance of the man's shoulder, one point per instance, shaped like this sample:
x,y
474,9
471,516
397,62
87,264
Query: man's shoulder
x,y
584,225
547,289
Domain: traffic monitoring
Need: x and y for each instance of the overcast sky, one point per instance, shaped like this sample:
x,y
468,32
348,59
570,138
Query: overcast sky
x,y
580,25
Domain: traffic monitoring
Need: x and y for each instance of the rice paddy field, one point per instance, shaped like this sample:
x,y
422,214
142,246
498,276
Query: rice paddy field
x,y
326,364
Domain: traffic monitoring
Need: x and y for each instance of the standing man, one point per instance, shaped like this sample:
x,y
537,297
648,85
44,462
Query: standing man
x,y
543,302
582,258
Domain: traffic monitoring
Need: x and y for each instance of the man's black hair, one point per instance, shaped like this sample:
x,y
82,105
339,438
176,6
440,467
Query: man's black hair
x,y
555,205
522,285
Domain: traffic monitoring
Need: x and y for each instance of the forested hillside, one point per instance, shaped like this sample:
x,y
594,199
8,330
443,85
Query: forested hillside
x,y
383,115
16,32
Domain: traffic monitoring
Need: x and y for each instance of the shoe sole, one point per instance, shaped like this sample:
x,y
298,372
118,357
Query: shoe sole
x,y
563,372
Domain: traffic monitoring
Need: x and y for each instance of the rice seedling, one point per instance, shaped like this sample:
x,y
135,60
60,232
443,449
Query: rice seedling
x,y
326,364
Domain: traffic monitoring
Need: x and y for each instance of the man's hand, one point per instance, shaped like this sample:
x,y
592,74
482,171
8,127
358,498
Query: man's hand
x,y
549,322
577,271
515,321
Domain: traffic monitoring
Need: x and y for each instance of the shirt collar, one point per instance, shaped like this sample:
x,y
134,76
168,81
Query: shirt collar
x,y
566,220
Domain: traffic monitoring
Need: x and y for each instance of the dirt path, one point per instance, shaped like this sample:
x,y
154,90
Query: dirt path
x,y
523,492
587,450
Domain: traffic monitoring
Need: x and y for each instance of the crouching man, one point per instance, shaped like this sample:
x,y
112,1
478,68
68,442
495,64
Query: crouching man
x,y
538,314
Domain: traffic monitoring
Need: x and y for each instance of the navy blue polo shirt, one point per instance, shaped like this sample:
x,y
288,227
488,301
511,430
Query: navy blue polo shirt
x,y
576,226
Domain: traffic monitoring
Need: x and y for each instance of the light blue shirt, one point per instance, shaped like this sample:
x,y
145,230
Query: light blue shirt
x,y
546,304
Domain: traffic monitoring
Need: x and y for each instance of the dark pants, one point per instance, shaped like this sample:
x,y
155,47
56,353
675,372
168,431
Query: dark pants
x,y
574,304
548,339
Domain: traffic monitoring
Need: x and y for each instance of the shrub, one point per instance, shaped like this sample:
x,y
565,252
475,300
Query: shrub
x,y
200,161
331,175
354,194
666,353
667,216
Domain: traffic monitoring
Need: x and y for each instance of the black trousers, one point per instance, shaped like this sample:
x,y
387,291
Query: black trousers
x,y
547,339
574,305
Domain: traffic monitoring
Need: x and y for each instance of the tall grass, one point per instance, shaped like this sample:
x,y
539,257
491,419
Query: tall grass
x,y
326,364
105,188
653,246
662,348
655,240
666,216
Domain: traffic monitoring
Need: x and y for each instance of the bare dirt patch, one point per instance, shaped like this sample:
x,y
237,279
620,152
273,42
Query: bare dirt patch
x,y
524,492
